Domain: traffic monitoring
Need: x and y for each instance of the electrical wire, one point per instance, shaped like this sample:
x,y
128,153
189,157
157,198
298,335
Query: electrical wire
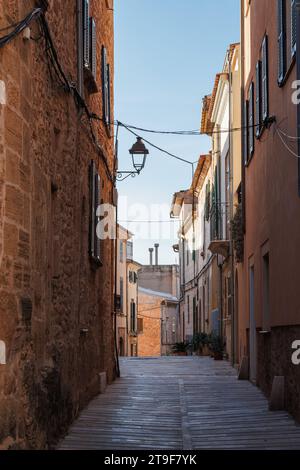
x,y
19,27
148,221
286,135
286,145
156,146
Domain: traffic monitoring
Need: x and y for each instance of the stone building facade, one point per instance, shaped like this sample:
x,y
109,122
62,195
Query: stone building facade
x,y
56,279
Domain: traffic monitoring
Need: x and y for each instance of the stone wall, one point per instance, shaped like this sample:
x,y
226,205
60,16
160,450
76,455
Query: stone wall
x,y
55,308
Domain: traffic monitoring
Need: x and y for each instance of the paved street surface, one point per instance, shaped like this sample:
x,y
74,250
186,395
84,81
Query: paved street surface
x,y
181,403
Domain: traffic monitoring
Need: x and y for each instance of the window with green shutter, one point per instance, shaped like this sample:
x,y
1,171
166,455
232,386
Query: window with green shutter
x,y
258,99
281,17
245,133
94,219
251,120
265,79
293,27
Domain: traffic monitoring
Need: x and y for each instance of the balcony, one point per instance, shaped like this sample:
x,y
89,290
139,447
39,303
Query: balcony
x,y
218,245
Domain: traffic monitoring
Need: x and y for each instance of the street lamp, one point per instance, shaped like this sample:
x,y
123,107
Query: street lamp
x,y
139,154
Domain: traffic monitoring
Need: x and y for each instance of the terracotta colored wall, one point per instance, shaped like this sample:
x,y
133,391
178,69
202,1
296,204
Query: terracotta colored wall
x,y
52,369
149,342
273,216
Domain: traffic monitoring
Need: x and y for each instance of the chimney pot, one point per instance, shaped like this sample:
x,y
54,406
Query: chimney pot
x,y
151,256
156,246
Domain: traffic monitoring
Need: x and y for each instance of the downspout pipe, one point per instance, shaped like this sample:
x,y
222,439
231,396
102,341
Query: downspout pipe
x,y
298,80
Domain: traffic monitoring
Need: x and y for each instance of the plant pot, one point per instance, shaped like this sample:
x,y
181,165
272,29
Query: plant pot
x,y
205,351
218,356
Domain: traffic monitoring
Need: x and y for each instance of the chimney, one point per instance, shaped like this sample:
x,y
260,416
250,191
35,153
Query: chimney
x,y
156,246
151,256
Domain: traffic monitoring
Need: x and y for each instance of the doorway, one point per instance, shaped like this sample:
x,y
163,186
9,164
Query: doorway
x,y
253,346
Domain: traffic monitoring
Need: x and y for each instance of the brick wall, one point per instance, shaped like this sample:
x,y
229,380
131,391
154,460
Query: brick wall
x,y
149,340
49,292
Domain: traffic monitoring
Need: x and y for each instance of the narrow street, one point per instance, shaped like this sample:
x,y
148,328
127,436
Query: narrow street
x,y
181,403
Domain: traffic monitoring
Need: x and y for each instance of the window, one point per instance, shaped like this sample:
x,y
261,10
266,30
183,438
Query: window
x,y
195,316
246,132
121,294
132,277
281,14
215,215
93,50
266,293
293,27
94,241
89,45
121,251
188,308
86,33
258,100
207,201
265,79
106,88
187,253
251,120
132,316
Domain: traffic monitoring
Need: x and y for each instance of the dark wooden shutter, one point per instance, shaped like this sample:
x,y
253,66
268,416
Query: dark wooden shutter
x,y
92,218
258,99
108,96
93,48
245,133
281,39
86,33
133,318
293,27
95,187
265,79
251,119
97,218
207,201
105,87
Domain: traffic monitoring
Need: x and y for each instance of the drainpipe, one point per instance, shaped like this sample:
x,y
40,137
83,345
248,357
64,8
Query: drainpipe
x,y
298,79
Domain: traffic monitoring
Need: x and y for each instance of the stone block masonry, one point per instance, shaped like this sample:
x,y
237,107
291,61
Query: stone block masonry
x,y
56,328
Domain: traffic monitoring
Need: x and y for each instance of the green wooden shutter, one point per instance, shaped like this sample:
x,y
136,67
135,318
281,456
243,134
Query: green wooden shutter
x,y
245,133
97,218
93,47
265,79
251,119
293,27
92,174
258,99
86,33
281,16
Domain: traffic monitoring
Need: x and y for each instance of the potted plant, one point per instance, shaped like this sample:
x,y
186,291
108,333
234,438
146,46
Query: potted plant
x,y
180,349
217,347
199,342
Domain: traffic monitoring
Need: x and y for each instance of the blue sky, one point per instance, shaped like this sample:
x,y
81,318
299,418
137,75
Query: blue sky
x,y
167,53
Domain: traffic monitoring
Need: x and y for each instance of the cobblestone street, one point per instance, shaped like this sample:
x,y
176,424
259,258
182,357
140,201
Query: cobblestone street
x,y
181,403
